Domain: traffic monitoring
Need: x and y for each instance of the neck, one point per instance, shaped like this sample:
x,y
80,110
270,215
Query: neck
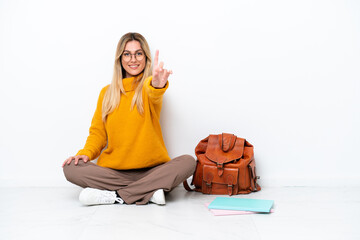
x,y
127,75
136,77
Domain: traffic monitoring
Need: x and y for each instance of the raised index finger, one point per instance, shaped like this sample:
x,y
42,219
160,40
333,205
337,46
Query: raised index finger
x,y
156,59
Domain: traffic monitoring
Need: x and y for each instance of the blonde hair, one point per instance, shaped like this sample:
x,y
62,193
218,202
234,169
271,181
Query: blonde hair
x,y
112,96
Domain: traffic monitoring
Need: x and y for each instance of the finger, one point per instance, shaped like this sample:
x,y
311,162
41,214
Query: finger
x,y
159,72
69,160
156,58
161,65
156,69
166,75
155,73
76,160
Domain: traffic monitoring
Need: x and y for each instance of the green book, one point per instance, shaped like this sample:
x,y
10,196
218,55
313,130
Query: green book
x,y
242,204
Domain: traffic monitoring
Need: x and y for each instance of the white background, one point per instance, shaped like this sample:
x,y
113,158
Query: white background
x,y
282,74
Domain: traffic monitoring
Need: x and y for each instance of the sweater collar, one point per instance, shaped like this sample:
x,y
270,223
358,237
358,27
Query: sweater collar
x,y
131,82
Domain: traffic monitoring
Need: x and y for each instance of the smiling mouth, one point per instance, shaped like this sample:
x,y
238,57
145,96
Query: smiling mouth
x,y
133,66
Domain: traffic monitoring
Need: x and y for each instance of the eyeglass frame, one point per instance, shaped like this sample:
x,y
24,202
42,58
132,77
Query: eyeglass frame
x,y
133,54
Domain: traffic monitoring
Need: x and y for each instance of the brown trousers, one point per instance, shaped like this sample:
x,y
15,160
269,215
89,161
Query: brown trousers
x,y
133,186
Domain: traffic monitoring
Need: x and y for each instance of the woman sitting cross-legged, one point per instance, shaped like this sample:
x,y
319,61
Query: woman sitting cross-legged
x,y
135,166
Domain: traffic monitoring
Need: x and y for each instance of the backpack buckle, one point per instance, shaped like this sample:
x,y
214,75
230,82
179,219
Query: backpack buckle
x,y
220,167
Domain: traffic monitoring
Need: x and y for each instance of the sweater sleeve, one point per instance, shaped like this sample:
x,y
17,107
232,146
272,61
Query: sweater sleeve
x,y
155,94
97,138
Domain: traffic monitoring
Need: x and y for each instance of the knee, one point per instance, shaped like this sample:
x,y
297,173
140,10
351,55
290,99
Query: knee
x,y
72,172
188,161
69,171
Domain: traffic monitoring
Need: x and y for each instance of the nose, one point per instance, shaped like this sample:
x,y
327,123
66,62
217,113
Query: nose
x,y
133,58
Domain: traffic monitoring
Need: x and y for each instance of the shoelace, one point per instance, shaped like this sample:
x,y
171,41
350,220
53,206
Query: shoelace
x,y
108,197
119,200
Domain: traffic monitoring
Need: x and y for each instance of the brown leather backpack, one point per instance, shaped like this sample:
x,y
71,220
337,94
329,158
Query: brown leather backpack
x,y
225,165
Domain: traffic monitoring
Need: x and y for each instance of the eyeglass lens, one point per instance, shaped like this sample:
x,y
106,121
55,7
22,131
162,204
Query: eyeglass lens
x,y
138,56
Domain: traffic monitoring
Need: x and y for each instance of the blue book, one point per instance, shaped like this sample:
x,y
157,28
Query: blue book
x,y
242,204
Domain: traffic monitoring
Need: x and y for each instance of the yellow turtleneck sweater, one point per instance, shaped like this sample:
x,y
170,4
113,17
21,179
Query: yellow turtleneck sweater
x,y
133,140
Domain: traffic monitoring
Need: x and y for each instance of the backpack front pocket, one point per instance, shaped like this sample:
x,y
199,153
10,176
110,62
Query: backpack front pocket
x,y
227,183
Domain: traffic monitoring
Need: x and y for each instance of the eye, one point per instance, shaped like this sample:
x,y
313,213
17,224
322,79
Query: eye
x,y
126,54
139,54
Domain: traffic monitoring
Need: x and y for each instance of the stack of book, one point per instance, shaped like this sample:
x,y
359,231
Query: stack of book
x,y
236,206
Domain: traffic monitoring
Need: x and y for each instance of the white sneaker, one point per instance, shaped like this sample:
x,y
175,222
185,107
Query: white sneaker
x,y
158,197
92,196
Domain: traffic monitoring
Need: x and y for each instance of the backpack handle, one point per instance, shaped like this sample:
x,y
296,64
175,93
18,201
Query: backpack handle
x,y
227,141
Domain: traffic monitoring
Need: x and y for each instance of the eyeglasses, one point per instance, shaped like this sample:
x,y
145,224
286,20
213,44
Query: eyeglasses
x,y
127,56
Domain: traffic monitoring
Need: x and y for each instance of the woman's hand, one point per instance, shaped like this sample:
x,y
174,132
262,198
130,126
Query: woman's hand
x,y
160,75
76,158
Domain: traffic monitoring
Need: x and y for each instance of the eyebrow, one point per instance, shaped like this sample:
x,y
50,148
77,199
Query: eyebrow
x,y
135,51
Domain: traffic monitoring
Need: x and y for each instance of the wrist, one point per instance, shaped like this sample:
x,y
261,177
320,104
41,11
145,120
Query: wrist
x,y
157,87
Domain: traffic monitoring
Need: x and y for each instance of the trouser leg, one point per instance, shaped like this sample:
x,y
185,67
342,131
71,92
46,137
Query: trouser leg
x,y
165,176
132,185
91,175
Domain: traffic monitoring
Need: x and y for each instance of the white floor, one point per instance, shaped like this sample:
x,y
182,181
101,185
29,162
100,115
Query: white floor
x,y
300,213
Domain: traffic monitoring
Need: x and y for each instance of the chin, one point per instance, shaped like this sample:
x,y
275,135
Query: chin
x,y
133,73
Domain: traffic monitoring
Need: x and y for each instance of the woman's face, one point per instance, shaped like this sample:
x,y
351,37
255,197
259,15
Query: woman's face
x,y
133,59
